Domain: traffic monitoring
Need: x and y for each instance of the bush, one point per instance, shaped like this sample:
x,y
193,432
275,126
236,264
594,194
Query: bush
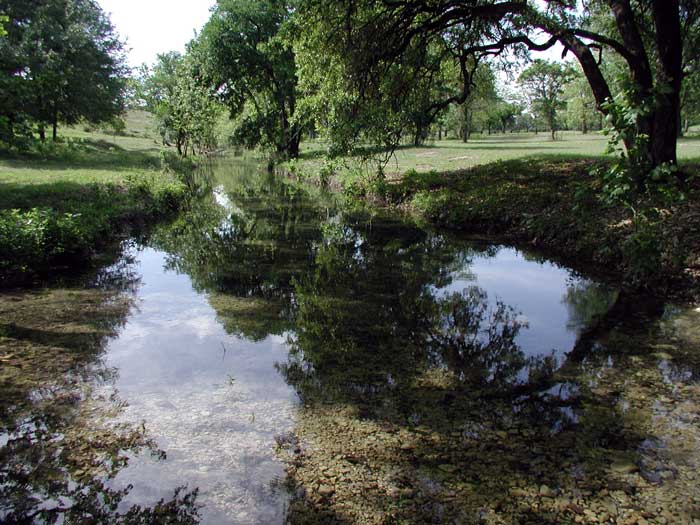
x,y
32,239
36,240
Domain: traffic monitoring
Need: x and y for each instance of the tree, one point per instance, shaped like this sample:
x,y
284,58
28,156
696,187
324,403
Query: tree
x,y
61,61
358,101
503,113
473,112
380,31
186,110
690,100
690,91
581,112
250,64
544,84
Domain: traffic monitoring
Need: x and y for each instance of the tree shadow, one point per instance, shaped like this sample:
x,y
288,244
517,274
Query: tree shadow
x,y
88,155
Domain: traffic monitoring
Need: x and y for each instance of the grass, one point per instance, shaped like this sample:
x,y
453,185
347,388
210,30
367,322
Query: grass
x,y
60,203
450,155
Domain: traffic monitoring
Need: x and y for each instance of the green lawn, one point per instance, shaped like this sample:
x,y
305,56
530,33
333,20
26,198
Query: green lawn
x,y
84,157
449,155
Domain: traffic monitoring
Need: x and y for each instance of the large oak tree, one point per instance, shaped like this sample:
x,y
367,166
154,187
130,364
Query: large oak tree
x,y
252,67
646,34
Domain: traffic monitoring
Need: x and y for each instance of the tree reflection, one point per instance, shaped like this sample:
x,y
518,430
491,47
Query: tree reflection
x,y
59,449
246,255
359,295
409,387
370,321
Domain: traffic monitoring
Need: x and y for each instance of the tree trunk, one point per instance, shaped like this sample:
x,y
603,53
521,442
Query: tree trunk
x,y
584,122
669,77
467,126
291,149
418,138
54,125
42,133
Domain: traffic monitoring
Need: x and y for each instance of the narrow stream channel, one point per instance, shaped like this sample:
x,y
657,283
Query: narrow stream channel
x,y
286,360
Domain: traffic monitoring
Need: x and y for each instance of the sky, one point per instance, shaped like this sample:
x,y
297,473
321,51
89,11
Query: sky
x,y
156,26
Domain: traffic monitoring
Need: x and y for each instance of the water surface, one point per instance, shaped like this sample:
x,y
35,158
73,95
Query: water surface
x,y
273,356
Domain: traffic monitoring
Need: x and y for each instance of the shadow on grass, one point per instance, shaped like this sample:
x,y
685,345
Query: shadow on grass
x,y
60,195
88,154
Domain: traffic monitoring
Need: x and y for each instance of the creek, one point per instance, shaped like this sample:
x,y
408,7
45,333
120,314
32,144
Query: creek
x,y
275,356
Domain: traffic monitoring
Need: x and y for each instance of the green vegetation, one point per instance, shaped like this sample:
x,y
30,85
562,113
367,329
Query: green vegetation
x,y
557,205
527,188
544,83
453,154
62,201
367,40
60,62
362,80
185,111
249,62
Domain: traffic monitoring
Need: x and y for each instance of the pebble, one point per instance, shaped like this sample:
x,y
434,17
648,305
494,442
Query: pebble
x,y
545,491
326,490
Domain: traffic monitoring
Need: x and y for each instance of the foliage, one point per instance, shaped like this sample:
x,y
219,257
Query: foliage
x,y
249,63
632,182
557,205
55,217
544,83
581,110
360,99
186,111
37,235
363,42
475,112
690,99
61,61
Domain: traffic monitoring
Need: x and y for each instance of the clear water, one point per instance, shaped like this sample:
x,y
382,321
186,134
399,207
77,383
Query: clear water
x,y
247,321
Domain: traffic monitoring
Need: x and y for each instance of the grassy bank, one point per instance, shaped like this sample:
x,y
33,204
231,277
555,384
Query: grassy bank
x,y
525,189
450,155
554,204
61,203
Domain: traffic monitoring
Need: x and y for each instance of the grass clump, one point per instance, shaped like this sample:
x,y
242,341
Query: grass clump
x,y
36,240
